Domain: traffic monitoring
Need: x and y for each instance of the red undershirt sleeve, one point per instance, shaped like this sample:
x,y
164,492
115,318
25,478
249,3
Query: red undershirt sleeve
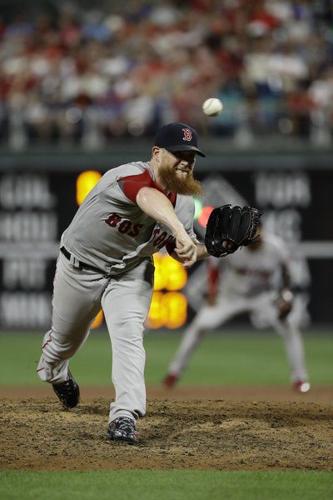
x,y
131,184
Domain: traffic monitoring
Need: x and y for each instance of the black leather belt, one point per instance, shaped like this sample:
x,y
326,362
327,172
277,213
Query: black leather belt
x,y
81,265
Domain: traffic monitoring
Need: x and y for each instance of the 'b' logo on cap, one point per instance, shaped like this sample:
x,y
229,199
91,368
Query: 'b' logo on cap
x,y
187,134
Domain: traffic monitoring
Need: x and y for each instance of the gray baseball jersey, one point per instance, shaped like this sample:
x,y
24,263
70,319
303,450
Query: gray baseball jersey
x,y
110,232
248,273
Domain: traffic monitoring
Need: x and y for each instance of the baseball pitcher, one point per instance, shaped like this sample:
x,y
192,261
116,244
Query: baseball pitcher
x,y
105,260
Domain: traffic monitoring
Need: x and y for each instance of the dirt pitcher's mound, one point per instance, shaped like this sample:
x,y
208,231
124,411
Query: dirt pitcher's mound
x,y
39,435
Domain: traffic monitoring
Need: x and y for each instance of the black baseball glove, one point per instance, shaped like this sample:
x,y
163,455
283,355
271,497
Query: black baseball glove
x,y
229,227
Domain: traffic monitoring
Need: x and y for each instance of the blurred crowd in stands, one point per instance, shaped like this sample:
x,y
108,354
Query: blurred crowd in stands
x,y
83,76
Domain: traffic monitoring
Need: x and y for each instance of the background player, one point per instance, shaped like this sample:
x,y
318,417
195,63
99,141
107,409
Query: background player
x,y
255,279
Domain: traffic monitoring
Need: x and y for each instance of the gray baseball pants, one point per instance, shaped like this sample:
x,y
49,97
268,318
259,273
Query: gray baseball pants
x,y
262,309
77,297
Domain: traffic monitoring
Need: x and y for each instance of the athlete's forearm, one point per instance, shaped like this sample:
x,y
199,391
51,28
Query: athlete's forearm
x,y
158,206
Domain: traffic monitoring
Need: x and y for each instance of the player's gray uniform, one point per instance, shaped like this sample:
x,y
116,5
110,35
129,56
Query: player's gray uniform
x,y
250,283
109,246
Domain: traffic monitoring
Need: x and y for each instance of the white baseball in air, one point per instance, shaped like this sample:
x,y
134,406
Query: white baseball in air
x,y
212,106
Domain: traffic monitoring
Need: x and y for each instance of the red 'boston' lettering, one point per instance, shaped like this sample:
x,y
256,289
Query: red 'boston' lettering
x,y
123,225
135,230
159,242
170,244
113,220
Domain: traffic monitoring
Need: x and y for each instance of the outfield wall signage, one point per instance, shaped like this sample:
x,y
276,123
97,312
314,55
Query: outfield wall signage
x,y
36,206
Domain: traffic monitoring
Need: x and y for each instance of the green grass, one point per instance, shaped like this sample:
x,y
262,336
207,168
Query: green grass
x,y
230,358
242,358
166,485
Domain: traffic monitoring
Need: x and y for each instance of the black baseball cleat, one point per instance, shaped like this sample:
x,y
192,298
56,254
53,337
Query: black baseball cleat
x,y
123,429
68,392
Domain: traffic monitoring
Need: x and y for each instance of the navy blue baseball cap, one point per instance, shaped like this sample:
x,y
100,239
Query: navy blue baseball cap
x,y
178,137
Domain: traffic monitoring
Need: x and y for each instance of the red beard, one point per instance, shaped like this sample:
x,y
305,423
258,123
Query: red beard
x,y
187,186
